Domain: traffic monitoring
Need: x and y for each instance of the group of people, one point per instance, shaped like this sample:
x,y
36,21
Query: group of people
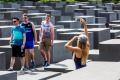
x,y
24,36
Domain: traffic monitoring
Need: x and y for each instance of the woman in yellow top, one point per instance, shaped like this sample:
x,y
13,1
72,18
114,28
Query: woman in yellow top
x,y
80,52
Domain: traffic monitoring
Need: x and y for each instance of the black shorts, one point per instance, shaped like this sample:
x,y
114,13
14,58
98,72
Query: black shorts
x,y
17,52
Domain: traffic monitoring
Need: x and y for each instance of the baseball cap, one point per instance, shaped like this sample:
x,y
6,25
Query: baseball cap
x,y
82,38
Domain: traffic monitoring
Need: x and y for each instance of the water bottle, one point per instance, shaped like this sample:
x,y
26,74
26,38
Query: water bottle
x,y
21,49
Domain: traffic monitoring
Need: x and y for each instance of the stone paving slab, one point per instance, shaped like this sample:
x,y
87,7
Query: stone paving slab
x,y
63,66
6,75
38,74
94,71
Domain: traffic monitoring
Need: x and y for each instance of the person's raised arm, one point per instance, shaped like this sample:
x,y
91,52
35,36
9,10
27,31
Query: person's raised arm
x,y
82,21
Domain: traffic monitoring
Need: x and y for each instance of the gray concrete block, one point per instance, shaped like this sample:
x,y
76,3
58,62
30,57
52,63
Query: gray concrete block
x,y
100,20
95,71
33,11
109,6
38,19
110,16
97,10
5,75
118,14
2,61
42,8
88,12
25,3
96,25
109,50
53,12
5,22
5,31
114,34
10,14
88,19
28,7
58,50
69,24
94,55
36,14
4,41
88,7
70,35
7,9
71,8
115,22
100,35
116,27
59,27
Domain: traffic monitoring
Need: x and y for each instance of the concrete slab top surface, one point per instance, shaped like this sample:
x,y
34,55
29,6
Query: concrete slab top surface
x,y
5,72
114,31
83,16
94,51
7,38
65,29
2,52
111,41
6,46
57,41
94,71
69,21
116,21
6,26
96,24
95,29
73,33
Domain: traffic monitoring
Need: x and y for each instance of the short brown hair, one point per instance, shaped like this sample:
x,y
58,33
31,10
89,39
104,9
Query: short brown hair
x,y
48,15
25,14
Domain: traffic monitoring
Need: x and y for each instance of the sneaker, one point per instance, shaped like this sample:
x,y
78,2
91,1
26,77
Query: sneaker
x,y
26,68
22,71
47,64
44,63
9,69
33,63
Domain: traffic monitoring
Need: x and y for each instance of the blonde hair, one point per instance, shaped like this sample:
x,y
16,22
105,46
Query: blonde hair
x,y
85,51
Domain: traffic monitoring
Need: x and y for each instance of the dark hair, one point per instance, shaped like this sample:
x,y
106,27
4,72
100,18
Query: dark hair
x,y
107,25
48,15
16,18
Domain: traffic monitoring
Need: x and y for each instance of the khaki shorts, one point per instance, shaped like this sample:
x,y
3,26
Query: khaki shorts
x,y
45,44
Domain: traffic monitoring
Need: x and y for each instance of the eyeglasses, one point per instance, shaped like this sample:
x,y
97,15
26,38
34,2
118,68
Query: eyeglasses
x,y
14,21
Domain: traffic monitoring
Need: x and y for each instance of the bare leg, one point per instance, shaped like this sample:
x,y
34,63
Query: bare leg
x,y
22,61
12,62
43,54
32,54
48,56
26,57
